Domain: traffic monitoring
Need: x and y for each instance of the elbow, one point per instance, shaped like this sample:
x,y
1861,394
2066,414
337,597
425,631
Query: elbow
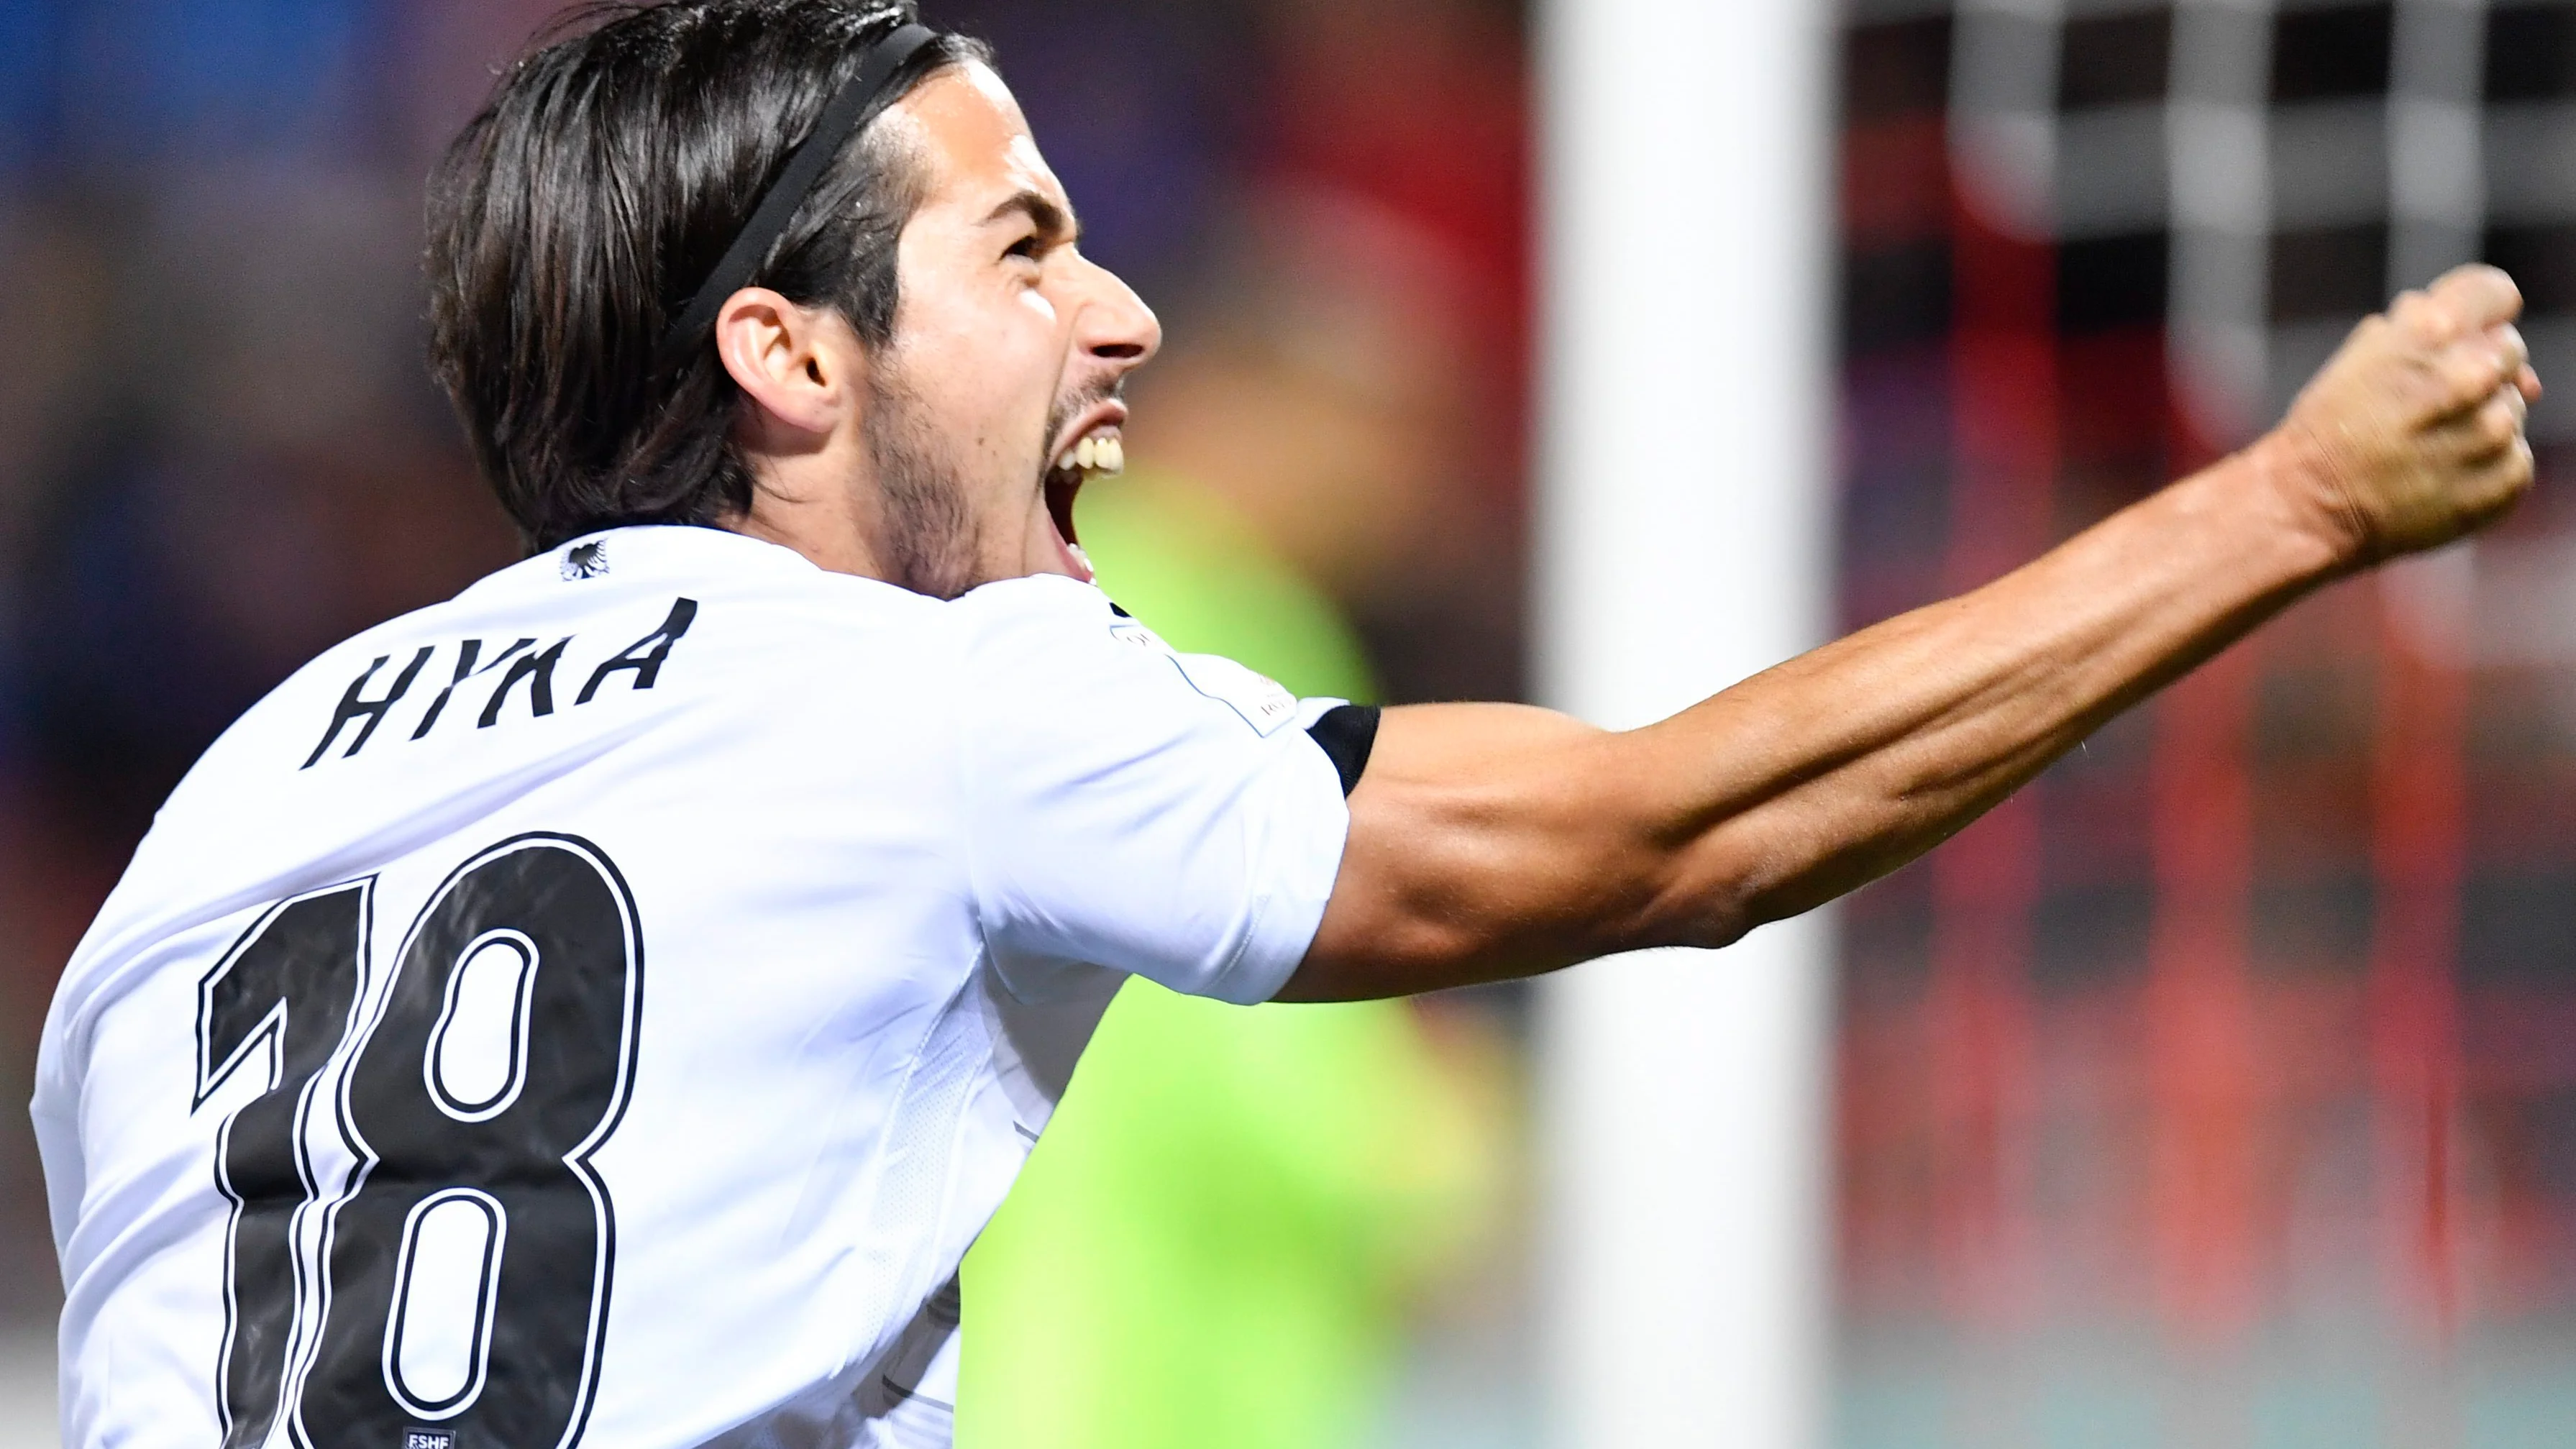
x,y
1721,922
1712,926
1715,895
1702,914
1718,932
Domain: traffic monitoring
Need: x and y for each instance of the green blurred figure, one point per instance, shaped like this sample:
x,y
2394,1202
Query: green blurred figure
x,y
1213,1243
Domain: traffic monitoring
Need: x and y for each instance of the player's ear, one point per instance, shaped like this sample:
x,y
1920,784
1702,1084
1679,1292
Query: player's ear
x,y
799,363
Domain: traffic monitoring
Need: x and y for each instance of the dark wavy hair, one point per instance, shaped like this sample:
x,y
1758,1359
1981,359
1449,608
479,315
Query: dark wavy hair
x,y
576,216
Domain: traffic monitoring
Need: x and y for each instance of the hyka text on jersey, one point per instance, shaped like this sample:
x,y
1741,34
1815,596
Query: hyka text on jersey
x,y
517,675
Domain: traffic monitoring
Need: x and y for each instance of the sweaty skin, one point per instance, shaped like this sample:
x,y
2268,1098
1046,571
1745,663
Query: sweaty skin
x,y
1493,841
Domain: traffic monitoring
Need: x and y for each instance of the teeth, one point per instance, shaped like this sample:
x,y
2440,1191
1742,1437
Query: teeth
x,y
1104,453
1079,556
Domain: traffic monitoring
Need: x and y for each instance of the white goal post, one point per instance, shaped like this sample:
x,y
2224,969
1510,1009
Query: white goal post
x,y
1683,542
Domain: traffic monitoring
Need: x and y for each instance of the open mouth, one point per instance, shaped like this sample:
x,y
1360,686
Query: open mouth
x,y
1098,453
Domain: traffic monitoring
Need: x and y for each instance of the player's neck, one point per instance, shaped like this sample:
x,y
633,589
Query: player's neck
x,y
840,550
822,501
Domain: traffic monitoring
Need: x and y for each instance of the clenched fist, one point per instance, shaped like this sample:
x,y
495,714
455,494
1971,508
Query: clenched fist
x,y
2412,434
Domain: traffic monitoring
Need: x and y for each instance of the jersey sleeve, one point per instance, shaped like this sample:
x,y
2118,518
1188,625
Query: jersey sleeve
x,y
1130,807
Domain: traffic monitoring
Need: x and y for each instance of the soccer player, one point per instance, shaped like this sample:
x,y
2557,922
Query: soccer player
x,y
601,1009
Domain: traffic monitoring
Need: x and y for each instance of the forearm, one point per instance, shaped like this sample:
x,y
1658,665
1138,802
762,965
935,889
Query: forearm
x,y
1814,777
1491,841
1497,841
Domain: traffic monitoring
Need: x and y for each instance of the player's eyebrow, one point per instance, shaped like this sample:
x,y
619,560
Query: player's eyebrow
x,y
1053,222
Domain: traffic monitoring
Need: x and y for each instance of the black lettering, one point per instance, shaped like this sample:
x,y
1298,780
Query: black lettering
x,y
539,671
465,670
354,703
277,1005
647,664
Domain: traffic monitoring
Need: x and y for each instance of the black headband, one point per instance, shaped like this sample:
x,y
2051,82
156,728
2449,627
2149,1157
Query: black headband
x,y
849,109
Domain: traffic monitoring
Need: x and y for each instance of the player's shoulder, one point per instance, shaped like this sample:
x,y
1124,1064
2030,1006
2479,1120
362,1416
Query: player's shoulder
x,y
1033,607
1051,647
739,600
584,641
598,570
1041,630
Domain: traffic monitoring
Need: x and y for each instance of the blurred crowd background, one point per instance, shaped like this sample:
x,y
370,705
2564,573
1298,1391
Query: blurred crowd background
x,y
2218,1091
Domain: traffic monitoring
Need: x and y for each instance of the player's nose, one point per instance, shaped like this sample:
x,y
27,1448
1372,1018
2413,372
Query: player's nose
x,y
1115,324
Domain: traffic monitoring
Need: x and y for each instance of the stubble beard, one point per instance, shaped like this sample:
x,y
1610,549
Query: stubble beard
x,y
933,539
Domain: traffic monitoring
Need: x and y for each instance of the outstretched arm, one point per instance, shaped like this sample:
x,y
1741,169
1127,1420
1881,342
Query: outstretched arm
x,y
1494,841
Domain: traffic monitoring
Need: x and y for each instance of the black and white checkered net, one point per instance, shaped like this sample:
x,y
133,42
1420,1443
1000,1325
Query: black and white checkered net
x,y
2293,162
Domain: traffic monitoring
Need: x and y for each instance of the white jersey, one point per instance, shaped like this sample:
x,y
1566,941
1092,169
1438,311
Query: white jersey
x,y
601,1009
